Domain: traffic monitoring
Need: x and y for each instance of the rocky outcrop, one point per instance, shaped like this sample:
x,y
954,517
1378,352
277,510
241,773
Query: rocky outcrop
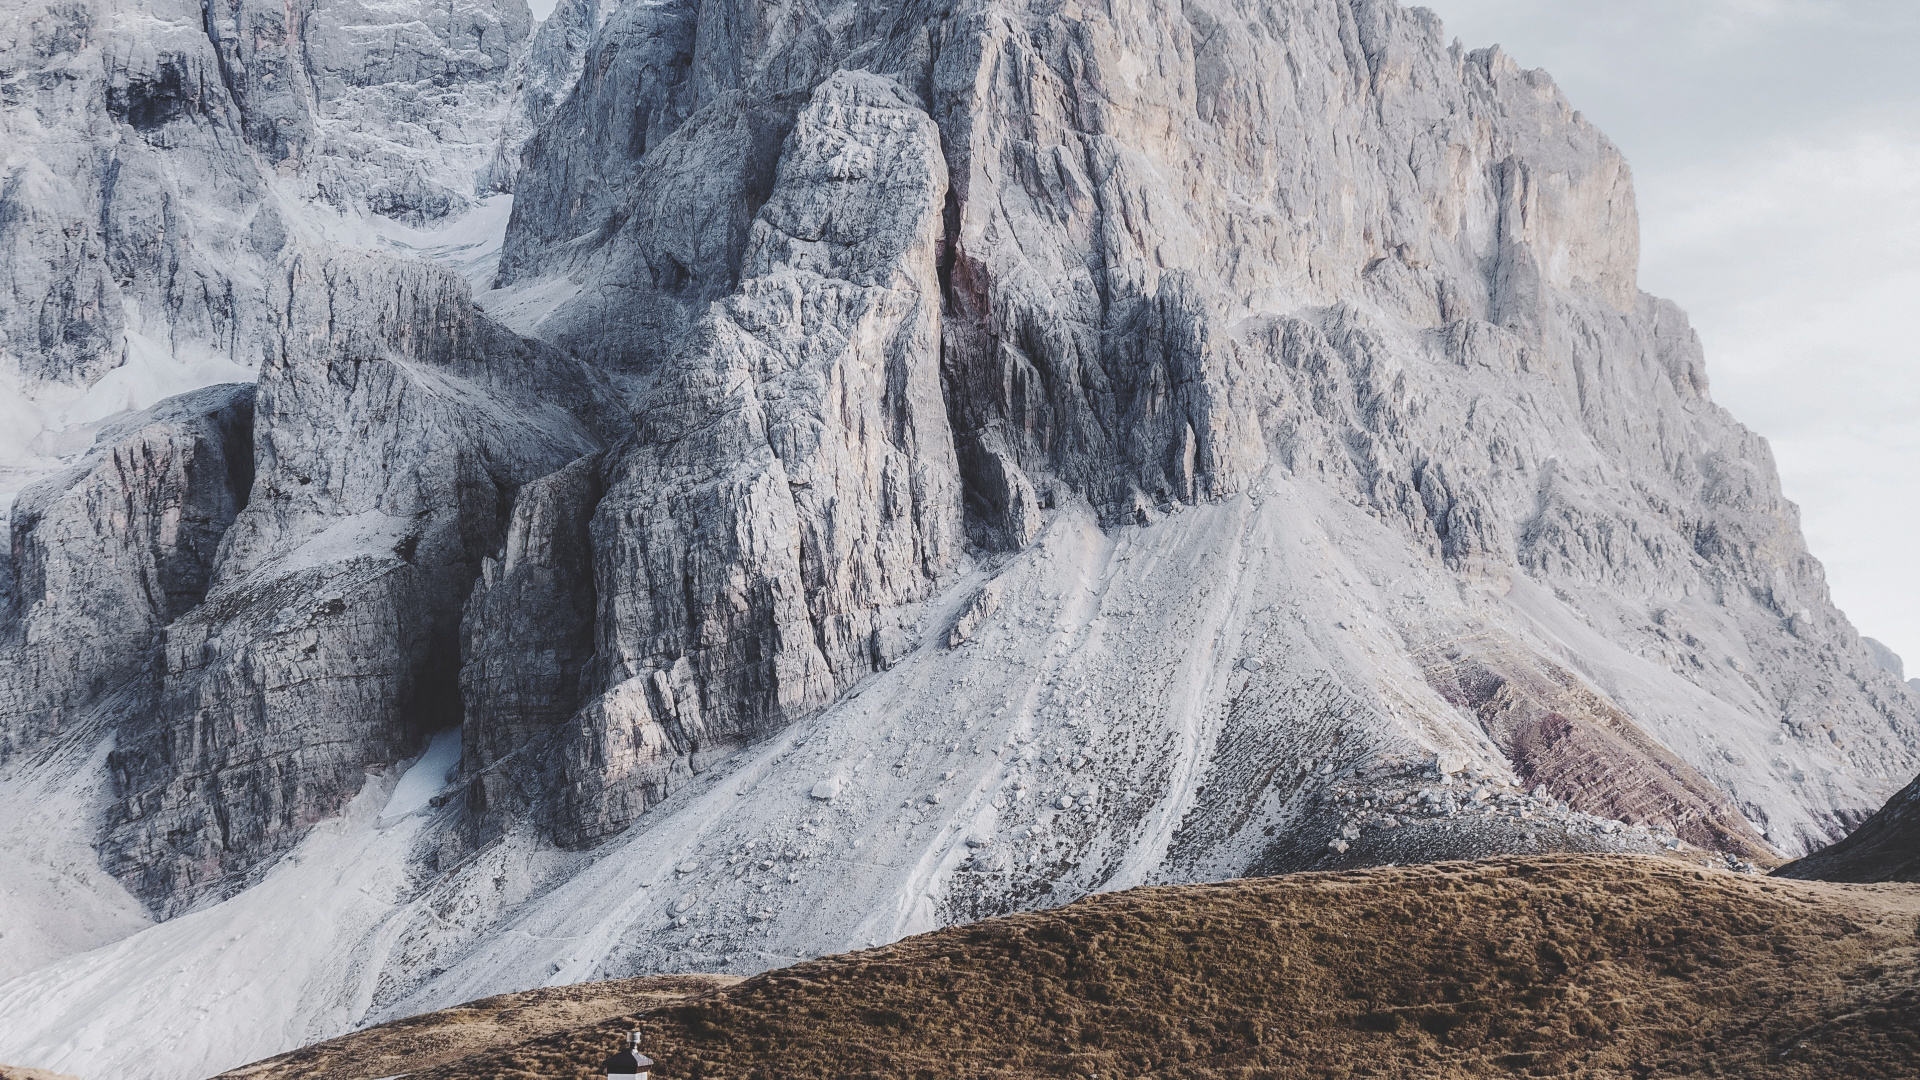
x,y
676,247
542,77
63,318
394,425
792,475
630,95
165,157
129,202
106,554
1561,734
1312,245
376,107
528,637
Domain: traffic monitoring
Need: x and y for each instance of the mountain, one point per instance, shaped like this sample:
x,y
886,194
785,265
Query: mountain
x,y
694,486
1885,847
1659,971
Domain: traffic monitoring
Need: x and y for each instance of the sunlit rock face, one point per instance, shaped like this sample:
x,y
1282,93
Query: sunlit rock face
x,y
1184,256
910,462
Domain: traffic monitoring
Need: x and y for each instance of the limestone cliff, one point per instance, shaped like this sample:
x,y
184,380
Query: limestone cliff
x,y
107,553
392,425
914,461
1188,252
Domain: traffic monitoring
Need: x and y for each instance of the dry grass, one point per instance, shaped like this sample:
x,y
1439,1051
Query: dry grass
x,y
19,1072
476,1028
1563,966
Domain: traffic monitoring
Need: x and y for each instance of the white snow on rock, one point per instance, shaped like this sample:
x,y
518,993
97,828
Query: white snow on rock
x,y
469,243
429,775
46,425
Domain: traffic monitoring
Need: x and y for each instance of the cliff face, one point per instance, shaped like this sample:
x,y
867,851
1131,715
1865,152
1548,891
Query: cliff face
x,y
164,157
391,418
1185,254
914,462
107,553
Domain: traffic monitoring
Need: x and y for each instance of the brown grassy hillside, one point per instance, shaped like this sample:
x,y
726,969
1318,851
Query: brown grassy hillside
x,y
478,1027
1564,966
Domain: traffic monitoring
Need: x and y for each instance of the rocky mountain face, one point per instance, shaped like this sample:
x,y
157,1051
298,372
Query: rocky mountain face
x,y
390,420
109,552
911,462
1186,281
165,158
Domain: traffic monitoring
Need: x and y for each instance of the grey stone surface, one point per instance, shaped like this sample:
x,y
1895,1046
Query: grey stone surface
x,y
392,426
629,96
791,473
1147,439
1306,237
129,199
165,157
104,555
856,317
528,637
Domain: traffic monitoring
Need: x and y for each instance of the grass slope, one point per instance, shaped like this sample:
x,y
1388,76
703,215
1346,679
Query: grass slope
x,y
479,1027
1885,847
1564,966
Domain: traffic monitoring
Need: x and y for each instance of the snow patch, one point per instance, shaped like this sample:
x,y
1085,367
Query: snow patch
x,y
522,308
55,900
470,244
371,533
45,425
151,373
429,775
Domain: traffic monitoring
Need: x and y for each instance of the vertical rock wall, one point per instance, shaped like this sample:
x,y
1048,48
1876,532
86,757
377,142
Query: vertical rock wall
x,y
106,554
164,157
528,639
790,490
394,425
1184,247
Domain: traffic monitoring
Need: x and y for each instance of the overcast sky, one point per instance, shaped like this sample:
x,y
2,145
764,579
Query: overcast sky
x,y
1775,146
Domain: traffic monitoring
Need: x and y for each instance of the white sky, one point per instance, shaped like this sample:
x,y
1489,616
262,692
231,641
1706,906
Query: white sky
x,y
1775,146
